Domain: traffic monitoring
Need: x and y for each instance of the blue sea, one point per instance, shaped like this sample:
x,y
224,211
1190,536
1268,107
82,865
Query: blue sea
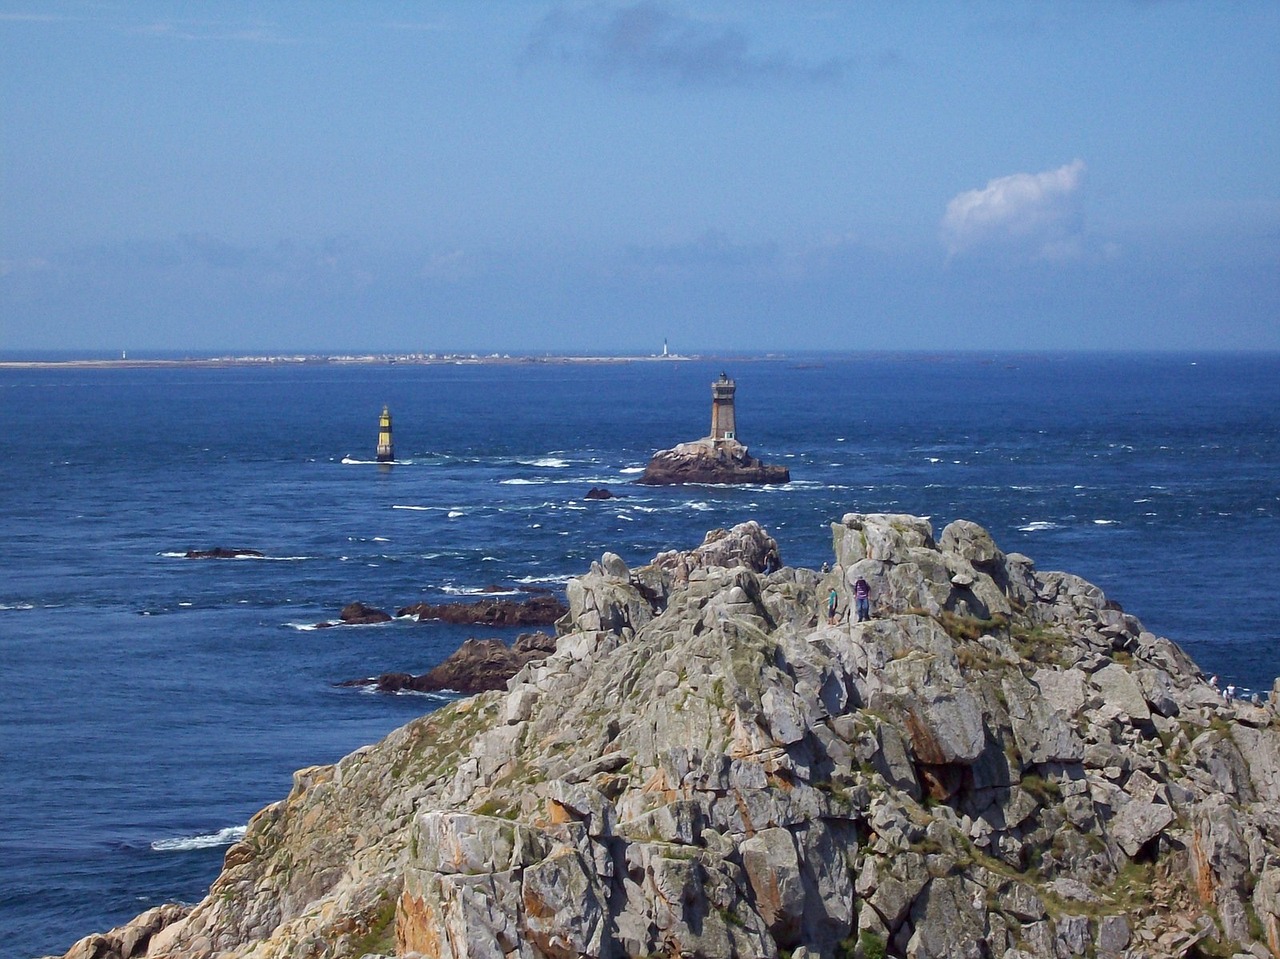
x,y
152,703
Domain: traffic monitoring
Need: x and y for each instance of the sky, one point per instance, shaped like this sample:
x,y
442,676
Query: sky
x,y
599,177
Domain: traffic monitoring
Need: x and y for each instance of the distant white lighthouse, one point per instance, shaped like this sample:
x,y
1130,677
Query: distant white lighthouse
x,y
664,347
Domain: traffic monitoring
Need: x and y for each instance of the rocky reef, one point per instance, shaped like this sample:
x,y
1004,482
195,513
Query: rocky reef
x,y
710,461
1001,763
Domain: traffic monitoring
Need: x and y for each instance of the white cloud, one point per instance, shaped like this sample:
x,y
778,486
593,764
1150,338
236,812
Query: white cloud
x,y
1033,212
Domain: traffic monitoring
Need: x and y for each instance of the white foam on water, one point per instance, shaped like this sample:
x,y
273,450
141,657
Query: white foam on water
x,y
632,469
420,509
16,606
476,591
935,459
1105,522
1037,526
223,837
530,580
455,513
698,505
520,482
547,462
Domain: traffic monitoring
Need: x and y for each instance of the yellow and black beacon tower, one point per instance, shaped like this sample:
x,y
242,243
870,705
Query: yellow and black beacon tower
x,y
386,450
722,424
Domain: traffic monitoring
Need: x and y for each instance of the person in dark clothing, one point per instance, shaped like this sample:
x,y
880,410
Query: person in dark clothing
x,y
862,598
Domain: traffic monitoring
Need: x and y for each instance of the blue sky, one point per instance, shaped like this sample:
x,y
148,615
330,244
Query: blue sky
x,y
594,177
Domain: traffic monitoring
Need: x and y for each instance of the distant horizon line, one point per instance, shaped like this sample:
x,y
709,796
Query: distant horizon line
x,y
41,358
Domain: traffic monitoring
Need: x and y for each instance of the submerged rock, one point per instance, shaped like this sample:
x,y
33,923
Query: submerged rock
x,y
1000,764
710,461
224,552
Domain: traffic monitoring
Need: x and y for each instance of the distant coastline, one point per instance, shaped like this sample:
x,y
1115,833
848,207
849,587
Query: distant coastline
x,y
345,359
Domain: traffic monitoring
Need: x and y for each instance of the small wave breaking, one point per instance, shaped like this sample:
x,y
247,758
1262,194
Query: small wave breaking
x,y
223,837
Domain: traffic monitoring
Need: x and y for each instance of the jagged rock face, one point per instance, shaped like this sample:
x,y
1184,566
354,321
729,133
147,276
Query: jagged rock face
x,y
710,461
705,767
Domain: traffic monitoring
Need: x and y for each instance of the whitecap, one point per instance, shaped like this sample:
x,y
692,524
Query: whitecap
x,y
547,462
455,513
519,482
1037,527
223,837
1105,522
476,591
935,459
381,539
14,606
530,580
632,469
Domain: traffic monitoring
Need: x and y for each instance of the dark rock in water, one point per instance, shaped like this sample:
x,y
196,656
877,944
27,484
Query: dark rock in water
x,y
600,493
541,610
222,552
710,461
477,666
358,614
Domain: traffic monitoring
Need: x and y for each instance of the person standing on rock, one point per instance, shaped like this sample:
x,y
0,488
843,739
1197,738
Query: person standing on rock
x,y
862,598
833,606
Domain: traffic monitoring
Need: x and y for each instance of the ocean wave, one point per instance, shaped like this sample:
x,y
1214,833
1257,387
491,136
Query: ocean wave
x,y
1037,527
419,509
352,461
546,462
455,513
223,837
1105,522
16,606
519,481
530,580
632,469
477,591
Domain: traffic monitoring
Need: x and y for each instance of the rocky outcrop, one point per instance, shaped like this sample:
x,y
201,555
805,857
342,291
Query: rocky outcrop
x,y
600,492
710,461
224,552
541,609
477,666
1002,764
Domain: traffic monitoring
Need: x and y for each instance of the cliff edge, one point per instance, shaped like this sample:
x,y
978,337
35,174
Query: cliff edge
x,y
1000,763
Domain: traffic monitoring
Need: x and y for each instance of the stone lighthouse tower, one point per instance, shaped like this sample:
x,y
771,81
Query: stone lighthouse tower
x,y
722,422
386,450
